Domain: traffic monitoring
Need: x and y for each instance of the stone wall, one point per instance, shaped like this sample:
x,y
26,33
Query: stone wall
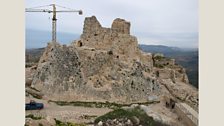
x,y
121,26
116,39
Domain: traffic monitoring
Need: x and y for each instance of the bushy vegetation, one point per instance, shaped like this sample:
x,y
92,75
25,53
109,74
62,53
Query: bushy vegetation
x,y
144,119
34,117
159,65
110,105
60,123
159,57
89,116
89,104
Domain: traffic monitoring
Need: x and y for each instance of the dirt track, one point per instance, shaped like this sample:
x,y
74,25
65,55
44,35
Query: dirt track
x,y
66,113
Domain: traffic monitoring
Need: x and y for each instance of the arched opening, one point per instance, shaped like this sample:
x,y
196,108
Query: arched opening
x,y
79,44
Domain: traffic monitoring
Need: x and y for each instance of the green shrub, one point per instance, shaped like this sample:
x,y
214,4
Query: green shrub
x,y
106,104
159,65
145,120
60,123
33,117
159,58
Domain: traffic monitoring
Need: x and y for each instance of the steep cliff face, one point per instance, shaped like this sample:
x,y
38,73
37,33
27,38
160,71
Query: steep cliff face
x,y
107,65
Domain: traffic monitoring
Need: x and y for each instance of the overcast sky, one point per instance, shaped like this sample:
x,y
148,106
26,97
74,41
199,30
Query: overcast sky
x,y
166,22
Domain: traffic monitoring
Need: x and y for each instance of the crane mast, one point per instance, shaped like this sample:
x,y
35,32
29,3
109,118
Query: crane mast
x,y
54,19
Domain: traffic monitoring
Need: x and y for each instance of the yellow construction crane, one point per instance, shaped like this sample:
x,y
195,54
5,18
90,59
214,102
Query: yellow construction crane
x,y
54,11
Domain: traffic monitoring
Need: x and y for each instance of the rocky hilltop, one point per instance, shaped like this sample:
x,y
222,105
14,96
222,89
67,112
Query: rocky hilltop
x,y
105,64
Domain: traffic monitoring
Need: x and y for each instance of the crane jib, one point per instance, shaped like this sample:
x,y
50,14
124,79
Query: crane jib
x,y
54,19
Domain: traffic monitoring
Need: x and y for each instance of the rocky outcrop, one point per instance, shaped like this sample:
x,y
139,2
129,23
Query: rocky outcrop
x,y
105,65
174,79
29,72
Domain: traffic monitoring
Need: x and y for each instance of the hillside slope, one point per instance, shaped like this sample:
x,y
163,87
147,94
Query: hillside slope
x,y
188,58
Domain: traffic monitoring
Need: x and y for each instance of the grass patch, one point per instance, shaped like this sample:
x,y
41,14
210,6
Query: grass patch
x,y
144,119
60,123
159,65
89,116
33,117
110,105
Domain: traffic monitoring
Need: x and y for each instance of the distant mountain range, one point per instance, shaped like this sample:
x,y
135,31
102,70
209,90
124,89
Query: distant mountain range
x,y
164,49
39,38
188,58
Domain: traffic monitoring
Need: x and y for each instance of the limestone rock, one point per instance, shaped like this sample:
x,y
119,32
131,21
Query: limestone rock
x,y
182,92
135,120
100,123
29,75
105,64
